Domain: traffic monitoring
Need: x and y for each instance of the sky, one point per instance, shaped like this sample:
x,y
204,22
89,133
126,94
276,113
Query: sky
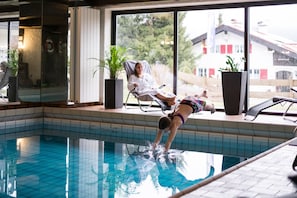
x,y
278,20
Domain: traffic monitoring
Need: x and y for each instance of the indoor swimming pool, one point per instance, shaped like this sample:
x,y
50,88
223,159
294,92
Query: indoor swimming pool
x,y
55,163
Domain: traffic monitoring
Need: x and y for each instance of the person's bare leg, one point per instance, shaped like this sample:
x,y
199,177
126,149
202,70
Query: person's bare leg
x,y
170,101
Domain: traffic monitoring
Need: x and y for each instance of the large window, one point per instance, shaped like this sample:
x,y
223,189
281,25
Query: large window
x,y
9,38
148,36
3,40
273,53
14,40
214,34
202,40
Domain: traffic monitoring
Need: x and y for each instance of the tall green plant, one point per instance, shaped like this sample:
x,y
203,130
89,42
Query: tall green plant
x,y
114,61
13,61
232,65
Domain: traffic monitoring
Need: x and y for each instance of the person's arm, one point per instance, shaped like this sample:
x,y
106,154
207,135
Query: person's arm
x,y
131,82
157,139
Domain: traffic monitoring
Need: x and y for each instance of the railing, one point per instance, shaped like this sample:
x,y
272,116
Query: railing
x,y
268,90
259,90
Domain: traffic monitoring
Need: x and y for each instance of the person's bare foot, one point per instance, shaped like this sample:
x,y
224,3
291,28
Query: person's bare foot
x,y
172,98
210,107
203,94
170,103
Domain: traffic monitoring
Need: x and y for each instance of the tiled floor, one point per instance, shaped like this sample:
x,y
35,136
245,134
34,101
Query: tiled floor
x,y
265,175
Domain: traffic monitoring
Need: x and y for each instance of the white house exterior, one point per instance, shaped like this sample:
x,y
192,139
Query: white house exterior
x,y
269,55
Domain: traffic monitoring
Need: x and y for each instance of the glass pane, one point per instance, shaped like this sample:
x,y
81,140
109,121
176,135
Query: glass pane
x,y
14,35
29,71
3,53
273,54
205,39
44,53
148,36
3,41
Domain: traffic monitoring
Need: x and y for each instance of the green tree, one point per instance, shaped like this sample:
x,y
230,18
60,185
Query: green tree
x,y
186,58
150,37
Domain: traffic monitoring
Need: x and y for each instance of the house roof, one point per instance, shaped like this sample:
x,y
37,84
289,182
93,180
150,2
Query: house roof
x,y
272,42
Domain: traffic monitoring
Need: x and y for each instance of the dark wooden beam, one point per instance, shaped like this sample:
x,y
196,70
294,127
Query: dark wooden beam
x,y
9,8
13,6
114,2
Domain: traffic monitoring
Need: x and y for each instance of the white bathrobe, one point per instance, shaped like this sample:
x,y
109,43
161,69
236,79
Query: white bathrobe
x,y
146,84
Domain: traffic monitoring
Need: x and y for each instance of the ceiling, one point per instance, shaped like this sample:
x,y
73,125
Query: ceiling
x,y
9,6
13,5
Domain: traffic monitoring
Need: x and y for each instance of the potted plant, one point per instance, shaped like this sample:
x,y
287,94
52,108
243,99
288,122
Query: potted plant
x,y
13,62
114,86
234,84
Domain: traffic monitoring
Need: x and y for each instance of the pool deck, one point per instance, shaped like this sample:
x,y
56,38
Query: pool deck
x,y
265,175
262,176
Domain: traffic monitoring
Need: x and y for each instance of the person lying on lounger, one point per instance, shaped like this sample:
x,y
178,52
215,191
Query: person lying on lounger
x,y
143,83
7,73
171,122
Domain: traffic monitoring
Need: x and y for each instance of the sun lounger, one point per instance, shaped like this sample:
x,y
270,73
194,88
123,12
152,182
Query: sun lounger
x,y
254,111
129,68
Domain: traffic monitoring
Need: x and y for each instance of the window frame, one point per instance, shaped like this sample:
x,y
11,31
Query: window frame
x,y
247,47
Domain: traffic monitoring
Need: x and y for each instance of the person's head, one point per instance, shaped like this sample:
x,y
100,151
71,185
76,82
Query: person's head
x,y
4,65
138,69
164,123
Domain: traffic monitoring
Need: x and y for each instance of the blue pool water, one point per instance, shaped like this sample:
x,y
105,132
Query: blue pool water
x,y
76,166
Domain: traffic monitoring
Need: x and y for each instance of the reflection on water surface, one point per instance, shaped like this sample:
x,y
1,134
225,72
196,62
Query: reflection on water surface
x,y
52,166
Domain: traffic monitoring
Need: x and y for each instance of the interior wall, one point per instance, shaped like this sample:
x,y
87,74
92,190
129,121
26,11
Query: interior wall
x,y
85,45
32,52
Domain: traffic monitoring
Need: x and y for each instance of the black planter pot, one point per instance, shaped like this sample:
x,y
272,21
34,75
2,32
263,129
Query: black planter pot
x,y
234,88
12,93
113,93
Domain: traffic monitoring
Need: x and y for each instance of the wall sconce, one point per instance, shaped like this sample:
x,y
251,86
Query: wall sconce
x,y
21,38
21,42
